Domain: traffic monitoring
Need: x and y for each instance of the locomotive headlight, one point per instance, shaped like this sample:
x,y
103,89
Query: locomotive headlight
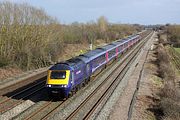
x,y
64,85
48,85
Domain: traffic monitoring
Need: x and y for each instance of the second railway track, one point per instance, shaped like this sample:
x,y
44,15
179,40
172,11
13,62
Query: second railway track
x,y
8,103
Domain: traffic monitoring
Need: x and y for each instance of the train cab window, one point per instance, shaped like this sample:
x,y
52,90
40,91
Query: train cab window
x,y
58,75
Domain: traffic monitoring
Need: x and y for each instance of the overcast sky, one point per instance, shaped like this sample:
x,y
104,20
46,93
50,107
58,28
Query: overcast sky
x,y
116,11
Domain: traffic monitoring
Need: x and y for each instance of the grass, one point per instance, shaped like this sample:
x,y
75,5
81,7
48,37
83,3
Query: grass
x,y
178,50
175,56
157,81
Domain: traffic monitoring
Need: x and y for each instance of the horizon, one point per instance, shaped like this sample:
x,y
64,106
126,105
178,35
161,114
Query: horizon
x,y
148,12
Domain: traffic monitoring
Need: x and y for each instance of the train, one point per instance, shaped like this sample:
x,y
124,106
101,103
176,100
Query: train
x,y
65,78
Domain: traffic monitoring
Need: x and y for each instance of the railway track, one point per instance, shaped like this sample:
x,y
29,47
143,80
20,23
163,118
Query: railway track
x,y
103,91
49,108
46,109
15,94
12,97
23,83
13,100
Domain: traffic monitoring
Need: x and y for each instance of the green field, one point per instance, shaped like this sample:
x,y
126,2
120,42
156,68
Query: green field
x,y
177,49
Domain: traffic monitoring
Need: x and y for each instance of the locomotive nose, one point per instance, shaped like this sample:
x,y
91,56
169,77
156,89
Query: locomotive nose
x,y
58,82
58,77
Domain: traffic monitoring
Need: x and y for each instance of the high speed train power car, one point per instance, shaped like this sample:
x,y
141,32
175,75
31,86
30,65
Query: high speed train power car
x,y
67,77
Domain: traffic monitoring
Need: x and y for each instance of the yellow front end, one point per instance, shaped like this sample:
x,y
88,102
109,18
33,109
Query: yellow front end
x,y
58,81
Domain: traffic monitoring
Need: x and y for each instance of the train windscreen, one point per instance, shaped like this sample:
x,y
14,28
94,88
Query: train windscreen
x,y
58,75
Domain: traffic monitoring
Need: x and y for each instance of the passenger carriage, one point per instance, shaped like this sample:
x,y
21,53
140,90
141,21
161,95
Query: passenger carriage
x,y
67,77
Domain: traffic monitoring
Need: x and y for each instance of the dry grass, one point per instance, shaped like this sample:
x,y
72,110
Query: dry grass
x,y
169,95
9,71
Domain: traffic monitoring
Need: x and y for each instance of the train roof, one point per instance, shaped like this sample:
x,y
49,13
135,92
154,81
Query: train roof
x,y
109,46
60,66
84,58
74,61
91,54
71,64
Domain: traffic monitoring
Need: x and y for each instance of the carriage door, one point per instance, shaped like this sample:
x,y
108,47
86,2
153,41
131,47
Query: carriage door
x,y
72,78
88,69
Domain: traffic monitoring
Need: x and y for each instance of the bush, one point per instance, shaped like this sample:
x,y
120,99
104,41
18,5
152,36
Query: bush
x,y
169,94
3,62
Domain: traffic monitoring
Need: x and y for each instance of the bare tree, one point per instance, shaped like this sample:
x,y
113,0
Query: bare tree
x,y
31,39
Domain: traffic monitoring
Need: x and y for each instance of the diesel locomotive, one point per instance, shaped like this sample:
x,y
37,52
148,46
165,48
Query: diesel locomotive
x,y
65,78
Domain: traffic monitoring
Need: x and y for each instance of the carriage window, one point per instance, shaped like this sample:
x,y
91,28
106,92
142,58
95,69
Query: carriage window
x,y
112,53
99,60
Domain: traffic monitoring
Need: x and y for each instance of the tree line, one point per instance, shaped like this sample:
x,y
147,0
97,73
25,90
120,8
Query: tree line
x,y
30,39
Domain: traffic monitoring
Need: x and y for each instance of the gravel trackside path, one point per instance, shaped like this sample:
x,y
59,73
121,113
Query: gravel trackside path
x,y
149,86
117,107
